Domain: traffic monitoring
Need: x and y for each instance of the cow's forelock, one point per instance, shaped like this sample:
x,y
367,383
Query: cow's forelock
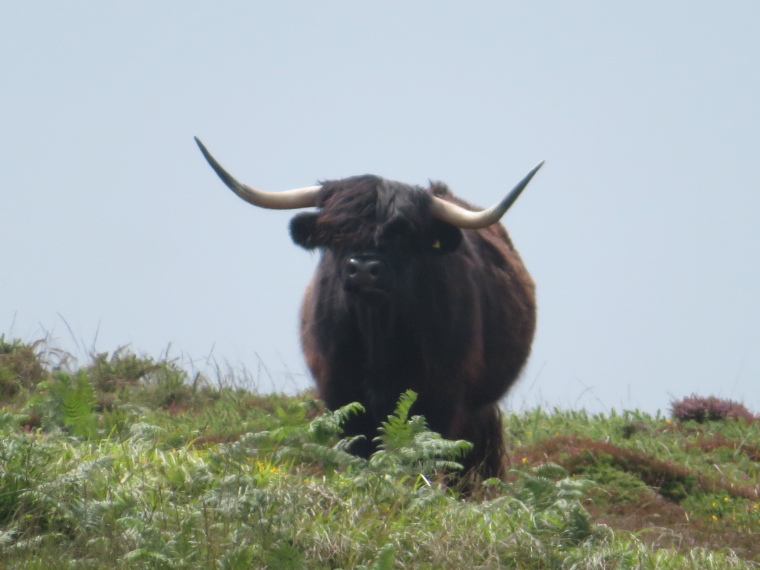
x,y
354,212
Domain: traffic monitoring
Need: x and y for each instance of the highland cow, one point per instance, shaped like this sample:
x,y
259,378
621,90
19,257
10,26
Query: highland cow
x,y
415,289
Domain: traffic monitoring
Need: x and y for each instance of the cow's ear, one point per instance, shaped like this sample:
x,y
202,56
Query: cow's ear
x,y
446,238
303,230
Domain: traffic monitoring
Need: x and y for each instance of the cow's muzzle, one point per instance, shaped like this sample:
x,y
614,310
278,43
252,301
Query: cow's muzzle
x,y
364,274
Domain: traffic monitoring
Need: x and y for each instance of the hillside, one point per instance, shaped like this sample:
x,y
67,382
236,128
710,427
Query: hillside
x,y
128,461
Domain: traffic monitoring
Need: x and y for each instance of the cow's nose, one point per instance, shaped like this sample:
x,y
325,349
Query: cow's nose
x,y
361,273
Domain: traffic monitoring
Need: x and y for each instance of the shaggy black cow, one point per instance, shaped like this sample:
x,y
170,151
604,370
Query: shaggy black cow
x,y
414,289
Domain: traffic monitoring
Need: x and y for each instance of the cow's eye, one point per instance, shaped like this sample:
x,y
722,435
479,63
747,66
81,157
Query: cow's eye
x,y
396,233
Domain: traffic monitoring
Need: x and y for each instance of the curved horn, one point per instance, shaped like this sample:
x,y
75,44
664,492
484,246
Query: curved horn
x,y
469,220
288,200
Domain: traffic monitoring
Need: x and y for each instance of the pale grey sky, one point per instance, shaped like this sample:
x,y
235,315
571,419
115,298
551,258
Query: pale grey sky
x,y
641,231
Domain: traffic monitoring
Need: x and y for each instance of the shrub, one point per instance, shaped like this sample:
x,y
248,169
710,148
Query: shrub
x,y
21,367
122,369
711,408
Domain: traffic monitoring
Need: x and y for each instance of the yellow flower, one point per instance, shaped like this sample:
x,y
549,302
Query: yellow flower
x,y
524,459
714,518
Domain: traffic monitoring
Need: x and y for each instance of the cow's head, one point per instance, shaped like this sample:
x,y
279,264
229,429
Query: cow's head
x,y
372,228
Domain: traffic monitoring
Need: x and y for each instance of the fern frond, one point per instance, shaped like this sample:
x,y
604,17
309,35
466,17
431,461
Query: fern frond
x,y
328,426
334,456
75,400
398,430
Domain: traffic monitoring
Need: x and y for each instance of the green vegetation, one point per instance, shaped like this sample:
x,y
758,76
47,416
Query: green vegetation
x,y
129,462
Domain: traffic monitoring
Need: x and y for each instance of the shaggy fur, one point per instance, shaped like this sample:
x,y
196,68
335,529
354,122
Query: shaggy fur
x,y
451,316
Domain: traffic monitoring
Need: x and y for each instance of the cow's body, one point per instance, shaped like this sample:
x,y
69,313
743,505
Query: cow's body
x,y
454,326
415,290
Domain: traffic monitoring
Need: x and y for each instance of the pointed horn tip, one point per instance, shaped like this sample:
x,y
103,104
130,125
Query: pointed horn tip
x,y
223,174
532,173
200,144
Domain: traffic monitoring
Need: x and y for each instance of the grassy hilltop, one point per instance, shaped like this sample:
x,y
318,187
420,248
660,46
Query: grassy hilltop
x,y
129,462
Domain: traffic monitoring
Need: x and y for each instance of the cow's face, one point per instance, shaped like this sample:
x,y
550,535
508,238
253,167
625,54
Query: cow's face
x,y
377,233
